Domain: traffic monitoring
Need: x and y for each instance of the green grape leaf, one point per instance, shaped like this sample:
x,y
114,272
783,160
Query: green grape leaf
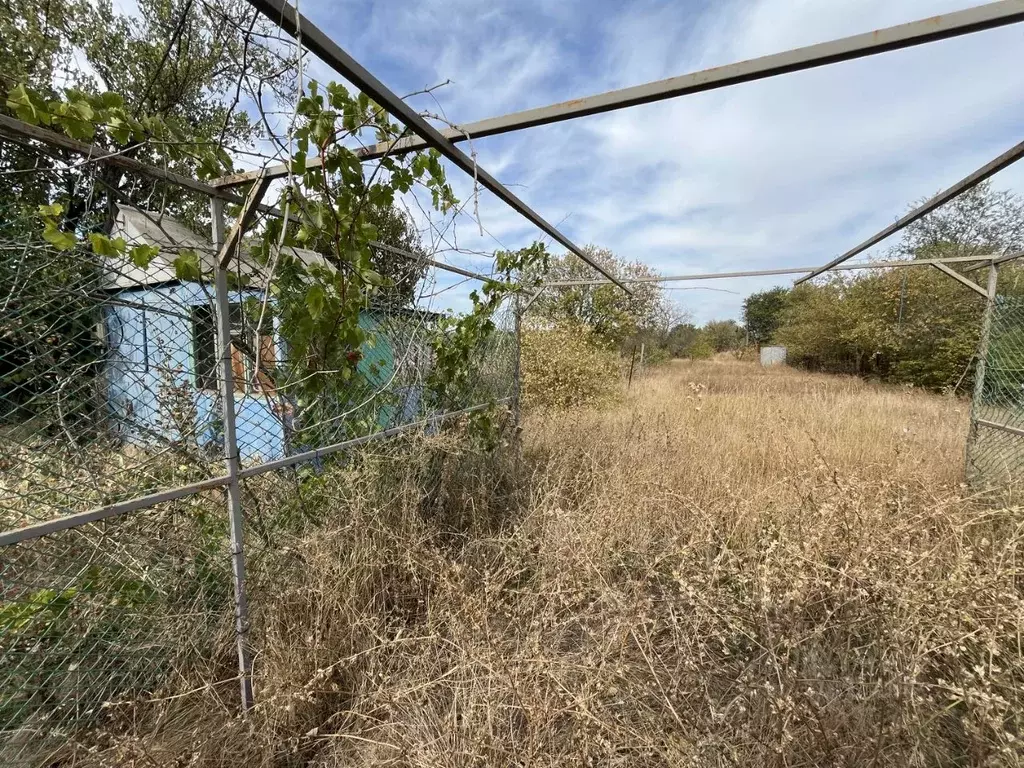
x,y
104,246
315,300
143,254
54,209
187,267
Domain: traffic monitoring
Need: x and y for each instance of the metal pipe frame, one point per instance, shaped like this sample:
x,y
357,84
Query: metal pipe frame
x,y
327,450
58,524
983,17
228,247
18,129
280,13
770,272
430,262
99,514
1006,159
1003,427
232,490
983,341
1007,257
961,279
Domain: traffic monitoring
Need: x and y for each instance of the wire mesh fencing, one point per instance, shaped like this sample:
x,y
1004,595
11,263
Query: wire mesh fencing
x,y
995,448
102,623
140,406
96,404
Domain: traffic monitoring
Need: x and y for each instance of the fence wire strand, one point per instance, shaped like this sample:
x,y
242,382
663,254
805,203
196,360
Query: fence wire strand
x,y
110,390
995,452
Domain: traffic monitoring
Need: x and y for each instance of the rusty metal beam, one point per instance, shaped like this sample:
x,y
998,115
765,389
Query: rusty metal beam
x,y
313,39
983,17
1008,158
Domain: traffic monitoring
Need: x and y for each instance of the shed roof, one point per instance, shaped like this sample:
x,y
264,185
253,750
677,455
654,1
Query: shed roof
x,y
139,227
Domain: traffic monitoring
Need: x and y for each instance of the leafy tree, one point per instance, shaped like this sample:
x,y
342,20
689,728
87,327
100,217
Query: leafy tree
x,y
980,221
762,313
615,317
813,326
396,228
724,335
906,325
701,348
182,66
681,338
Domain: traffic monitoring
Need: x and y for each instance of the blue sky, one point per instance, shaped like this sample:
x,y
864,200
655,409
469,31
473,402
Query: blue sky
x,y
785,172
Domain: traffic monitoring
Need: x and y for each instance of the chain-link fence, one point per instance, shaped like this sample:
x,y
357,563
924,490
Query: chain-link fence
x,y
995,449
156,430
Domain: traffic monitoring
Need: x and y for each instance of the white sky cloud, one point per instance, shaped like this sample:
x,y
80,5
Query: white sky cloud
x,y
789,171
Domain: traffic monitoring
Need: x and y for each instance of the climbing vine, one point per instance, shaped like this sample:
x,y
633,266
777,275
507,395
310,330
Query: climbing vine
x,y
318,302
462,342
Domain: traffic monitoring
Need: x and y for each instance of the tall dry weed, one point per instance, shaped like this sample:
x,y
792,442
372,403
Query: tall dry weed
x,y
730,567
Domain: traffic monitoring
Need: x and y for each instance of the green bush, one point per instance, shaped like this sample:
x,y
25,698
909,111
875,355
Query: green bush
x,y
701,349
564,367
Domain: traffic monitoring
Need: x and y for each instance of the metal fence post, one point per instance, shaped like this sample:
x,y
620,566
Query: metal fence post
x,y
986,332
980,371
231,461
517,373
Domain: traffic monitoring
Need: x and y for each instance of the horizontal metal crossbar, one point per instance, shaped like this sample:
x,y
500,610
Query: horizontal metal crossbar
x,y
439,264
915,33
48,527
1008,158
1003,427
327,450
312,38
17,128
769,272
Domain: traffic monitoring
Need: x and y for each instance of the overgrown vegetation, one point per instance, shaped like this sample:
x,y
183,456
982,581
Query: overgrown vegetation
x,y
910,325
565,367
725,566
809,588
616,319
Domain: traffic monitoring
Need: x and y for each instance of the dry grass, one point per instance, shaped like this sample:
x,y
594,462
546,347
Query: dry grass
x,y
731,567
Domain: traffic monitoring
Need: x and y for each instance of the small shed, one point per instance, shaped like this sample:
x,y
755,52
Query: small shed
x,y
162,350
773,356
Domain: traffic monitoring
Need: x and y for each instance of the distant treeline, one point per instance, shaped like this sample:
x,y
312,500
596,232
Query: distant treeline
x,y
908,325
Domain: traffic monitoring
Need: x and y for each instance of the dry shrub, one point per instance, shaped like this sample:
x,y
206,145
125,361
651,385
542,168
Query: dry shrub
x,y
566,367
732,567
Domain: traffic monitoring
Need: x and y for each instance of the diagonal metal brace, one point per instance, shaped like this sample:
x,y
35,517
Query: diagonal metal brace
x,y
948,25
1008,257
534,297
960,278
245,217
988,170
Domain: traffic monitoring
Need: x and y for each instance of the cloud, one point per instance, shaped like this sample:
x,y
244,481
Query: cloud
x,y
789,171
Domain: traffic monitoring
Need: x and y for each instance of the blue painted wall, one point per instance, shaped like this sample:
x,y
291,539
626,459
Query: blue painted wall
x,y
155,400
151,377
